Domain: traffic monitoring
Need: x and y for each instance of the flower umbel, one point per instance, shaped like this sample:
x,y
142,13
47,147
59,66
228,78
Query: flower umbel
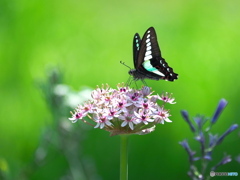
x,y
124,110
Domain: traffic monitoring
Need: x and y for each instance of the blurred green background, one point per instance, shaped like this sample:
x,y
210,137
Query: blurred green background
x,y
87,39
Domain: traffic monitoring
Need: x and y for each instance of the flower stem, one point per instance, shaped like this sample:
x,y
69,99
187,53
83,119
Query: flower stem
x,y
124,158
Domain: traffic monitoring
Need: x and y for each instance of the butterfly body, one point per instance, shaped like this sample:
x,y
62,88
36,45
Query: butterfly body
x,y
147,58
140,75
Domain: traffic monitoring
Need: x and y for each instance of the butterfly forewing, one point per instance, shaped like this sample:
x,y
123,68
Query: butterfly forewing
x,y
149,60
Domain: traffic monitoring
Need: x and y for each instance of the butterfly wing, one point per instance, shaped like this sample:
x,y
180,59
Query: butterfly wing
x,y
136,48
149,59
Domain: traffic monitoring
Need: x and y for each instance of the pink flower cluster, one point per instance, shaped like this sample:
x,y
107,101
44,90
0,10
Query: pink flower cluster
x,y
124,110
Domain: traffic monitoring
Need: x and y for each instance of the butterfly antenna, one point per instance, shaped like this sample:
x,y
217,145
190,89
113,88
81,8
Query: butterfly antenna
x,y
125,64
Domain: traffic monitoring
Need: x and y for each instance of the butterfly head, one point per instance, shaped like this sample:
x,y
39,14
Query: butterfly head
x,y
131,72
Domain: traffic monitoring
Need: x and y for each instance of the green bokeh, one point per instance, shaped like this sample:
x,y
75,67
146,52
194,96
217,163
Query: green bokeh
x,y
87,39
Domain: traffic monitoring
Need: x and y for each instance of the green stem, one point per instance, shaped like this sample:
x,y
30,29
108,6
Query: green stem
x,y
124,158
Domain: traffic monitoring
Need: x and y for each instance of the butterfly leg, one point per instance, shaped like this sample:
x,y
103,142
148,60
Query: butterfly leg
x,y
144,82
136,84
129,81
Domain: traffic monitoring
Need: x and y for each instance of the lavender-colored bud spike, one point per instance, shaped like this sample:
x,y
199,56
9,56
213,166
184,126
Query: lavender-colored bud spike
x,y
225,160
232,128
186,117
221,105
185,145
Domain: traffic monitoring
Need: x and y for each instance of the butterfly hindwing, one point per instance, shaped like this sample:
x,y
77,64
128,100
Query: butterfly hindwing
x,y
148,60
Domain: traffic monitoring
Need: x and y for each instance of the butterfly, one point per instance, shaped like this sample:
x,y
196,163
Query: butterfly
x,y
147,58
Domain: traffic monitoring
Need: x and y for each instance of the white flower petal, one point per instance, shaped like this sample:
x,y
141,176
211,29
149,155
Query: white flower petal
x,y
124,123
122,117
97,125
150,120
102,125
137,115
145,122
108,123
167,120
136,121
131,125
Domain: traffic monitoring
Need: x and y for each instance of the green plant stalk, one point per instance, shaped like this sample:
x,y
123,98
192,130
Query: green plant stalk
x,y
124,158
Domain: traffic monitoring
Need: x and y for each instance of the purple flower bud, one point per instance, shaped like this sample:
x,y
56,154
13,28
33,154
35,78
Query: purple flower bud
x,y
238,158
232,128
200,121
191,153
200,137
212,139
225,160
221,105
185,145
146,91
186,118
208,156
196,158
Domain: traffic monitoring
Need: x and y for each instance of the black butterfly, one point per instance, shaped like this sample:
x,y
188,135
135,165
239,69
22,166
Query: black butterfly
x,y
147,58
